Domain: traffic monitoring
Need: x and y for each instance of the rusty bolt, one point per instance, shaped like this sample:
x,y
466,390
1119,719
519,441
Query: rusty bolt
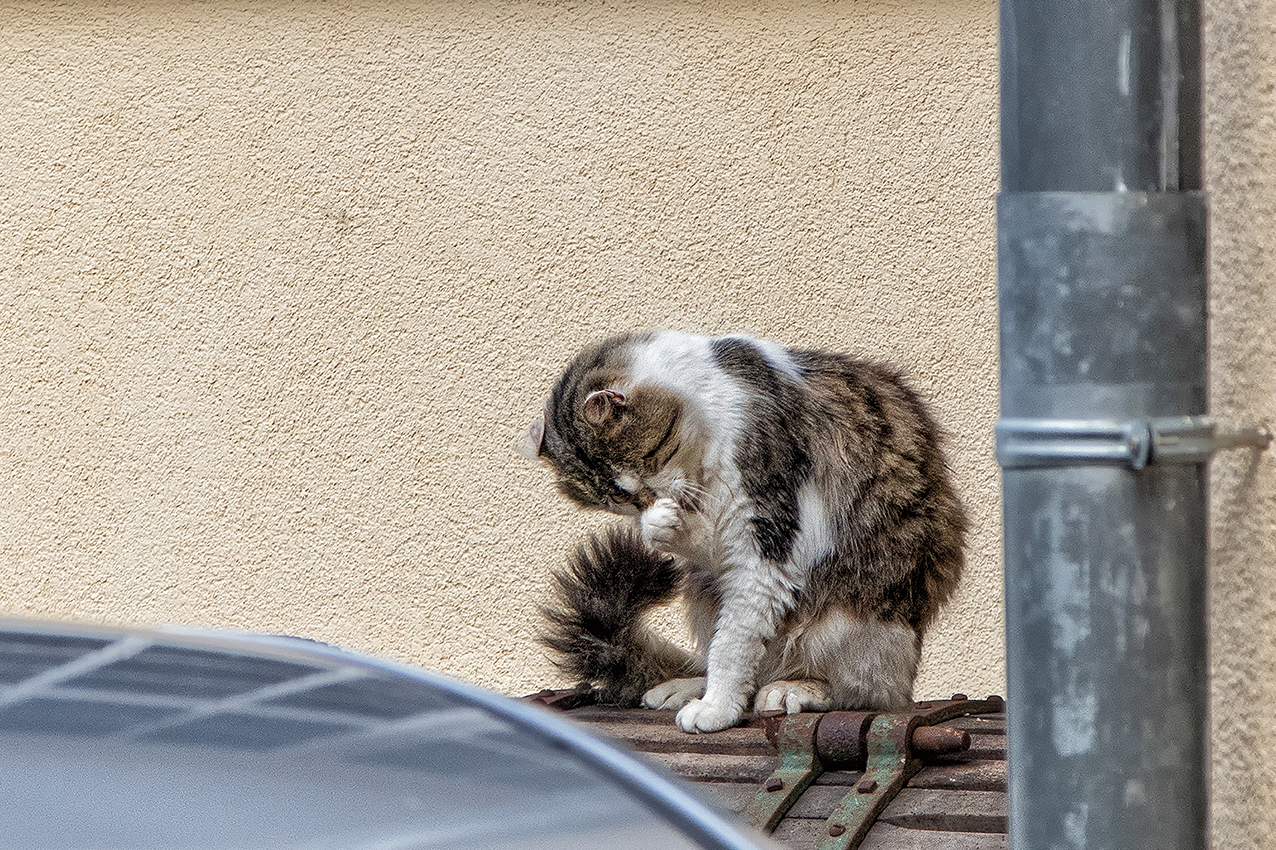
x,y
939,741
836,829
868,786
996,700
960,697
775,783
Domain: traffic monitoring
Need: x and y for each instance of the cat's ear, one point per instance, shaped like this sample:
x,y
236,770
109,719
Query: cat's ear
x,y
534,438
603,406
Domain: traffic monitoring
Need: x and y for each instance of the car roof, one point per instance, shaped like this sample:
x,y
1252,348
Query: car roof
x,y
207,740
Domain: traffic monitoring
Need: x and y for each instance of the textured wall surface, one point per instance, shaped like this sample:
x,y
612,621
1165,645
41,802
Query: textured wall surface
x,y
1240,103
282,284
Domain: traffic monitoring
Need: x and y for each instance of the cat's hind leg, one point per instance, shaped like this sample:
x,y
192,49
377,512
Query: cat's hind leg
x,y
675,693
868,663
793,695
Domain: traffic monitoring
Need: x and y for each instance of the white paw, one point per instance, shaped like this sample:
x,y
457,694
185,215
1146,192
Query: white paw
x,y
703,716
794,696
674,693
661,523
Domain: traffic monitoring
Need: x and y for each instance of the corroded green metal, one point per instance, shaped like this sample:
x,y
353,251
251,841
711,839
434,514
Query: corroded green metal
x,y
799,766
890,764
887,771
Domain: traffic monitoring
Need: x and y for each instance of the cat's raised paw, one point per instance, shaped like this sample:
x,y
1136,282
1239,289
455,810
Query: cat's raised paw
x,y
661,523
793,696
702,716
674,693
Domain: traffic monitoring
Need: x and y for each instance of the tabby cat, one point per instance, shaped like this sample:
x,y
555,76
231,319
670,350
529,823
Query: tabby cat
x,y
799,501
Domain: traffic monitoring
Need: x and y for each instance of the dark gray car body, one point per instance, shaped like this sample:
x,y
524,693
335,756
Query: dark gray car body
x,y
200,740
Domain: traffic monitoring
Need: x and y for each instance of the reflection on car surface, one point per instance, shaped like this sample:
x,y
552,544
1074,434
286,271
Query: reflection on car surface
x,y
204,741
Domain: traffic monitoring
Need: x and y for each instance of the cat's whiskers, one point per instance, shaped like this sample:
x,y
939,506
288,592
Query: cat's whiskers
x,y
694,496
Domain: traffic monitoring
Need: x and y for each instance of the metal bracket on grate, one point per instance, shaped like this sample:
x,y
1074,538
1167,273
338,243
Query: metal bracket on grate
x,y
799,766
892,747
888,747
1131,443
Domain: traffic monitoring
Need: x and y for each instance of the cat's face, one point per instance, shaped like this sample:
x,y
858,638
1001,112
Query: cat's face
x,y
605,441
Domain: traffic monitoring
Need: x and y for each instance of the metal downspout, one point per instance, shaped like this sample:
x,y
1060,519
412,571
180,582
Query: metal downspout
x,y
1102,288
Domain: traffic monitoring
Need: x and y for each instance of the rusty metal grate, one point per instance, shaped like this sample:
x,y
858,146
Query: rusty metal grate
x,y
932,778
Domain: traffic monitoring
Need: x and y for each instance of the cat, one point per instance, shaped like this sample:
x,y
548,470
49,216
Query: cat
x,y
799,500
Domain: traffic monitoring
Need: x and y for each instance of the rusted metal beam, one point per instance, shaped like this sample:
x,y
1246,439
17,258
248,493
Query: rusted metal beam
x,y
894,750
888,770
799,766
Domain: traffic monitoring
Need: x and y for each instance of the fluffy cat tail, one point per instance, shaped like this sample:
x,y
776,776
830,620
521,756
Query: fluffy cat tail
x,y
596,627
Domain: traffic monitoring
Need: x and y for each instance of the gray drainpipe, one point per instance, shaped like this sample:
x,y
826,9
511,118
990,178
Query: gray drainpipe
x,y
1103,440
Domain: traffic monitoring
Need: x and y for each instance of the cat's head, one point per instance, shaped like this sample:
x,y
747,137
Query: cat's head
x,y
604,437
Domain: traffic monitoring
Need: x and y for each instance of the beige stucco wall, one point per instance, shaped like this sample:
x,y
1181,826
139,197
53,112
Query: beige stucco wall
x,y
1240,41
281,284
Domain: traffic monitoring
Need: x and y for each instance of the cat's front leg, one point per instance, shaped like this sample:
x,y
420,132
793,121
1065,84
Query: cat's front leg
x,y
752,605
668,527
660,524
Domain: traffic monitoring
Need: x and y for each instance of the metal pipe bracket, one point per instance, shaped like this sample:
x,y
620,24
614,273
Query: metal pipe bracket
x,y
1131,443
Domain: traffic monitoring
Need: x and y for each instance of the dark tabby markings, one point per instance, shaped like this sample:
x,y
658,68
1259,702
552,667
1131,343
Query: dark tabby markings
x,y
774,452
583,461
900,526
